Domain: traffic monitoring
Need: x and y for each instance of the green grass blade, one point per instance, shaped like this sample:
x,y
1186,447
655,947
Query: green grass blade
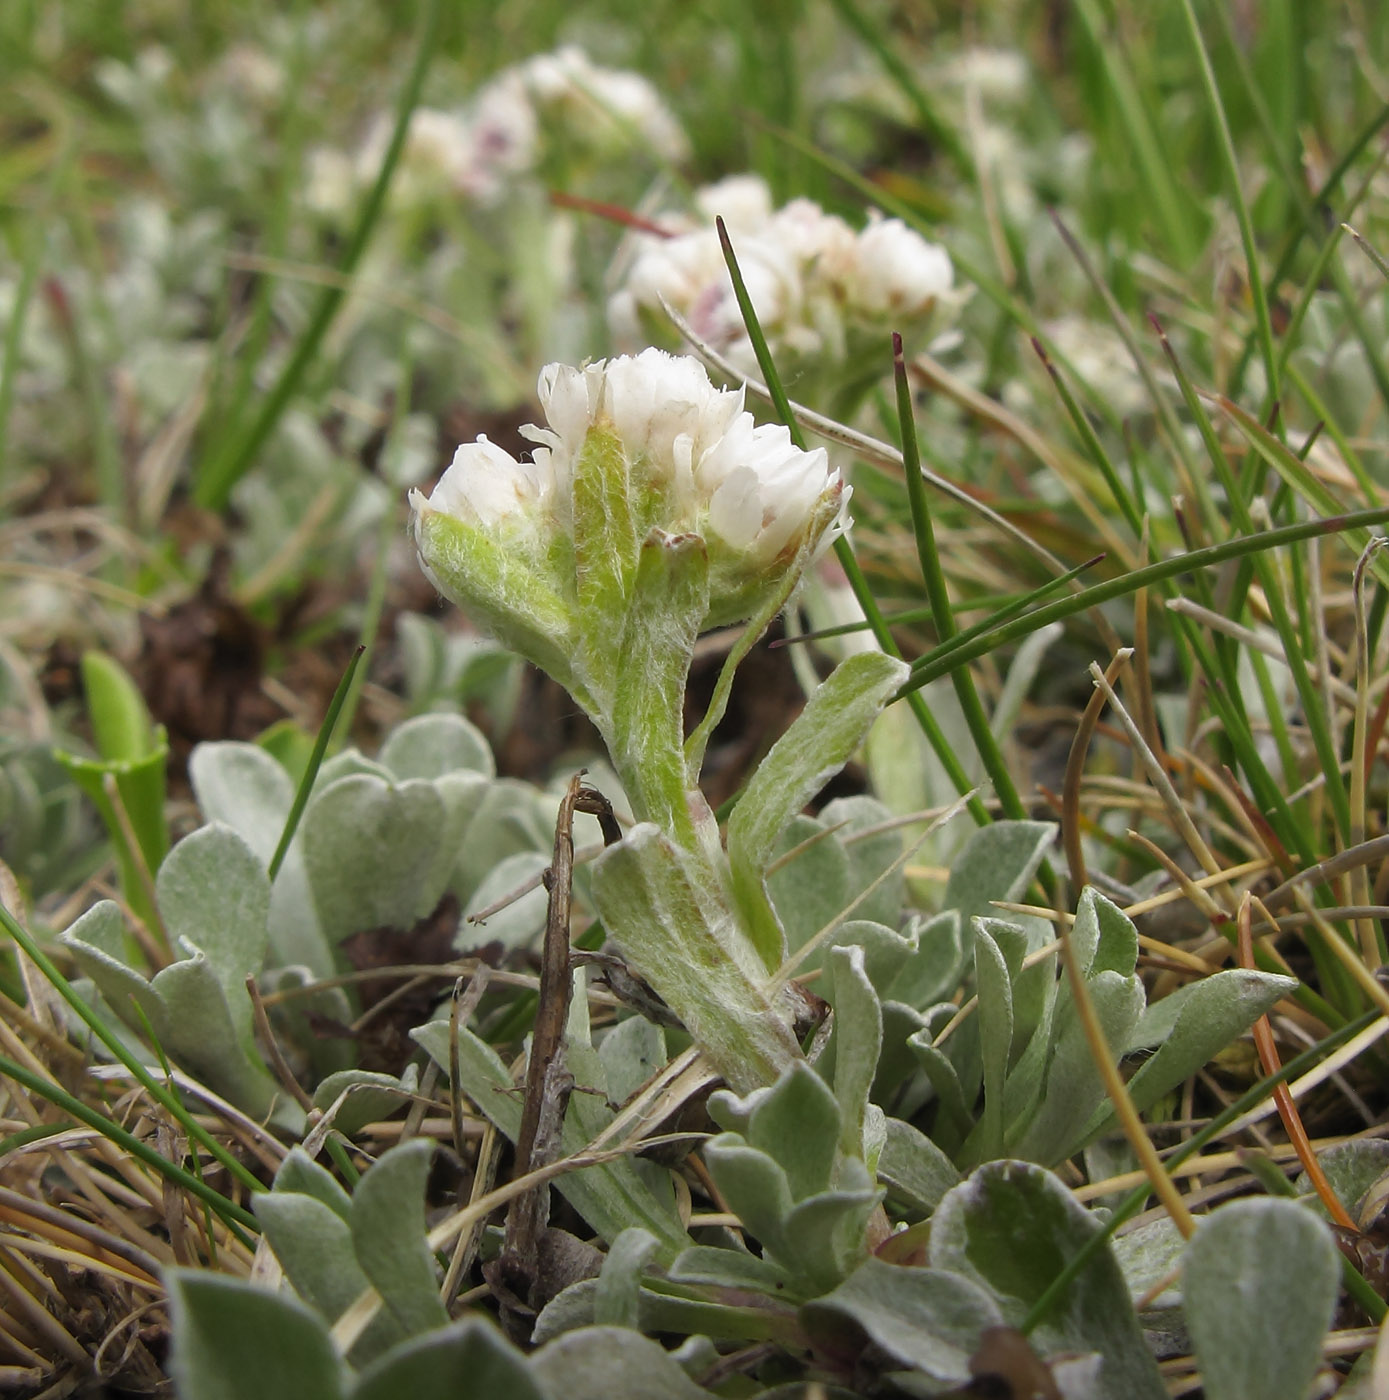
x,y
933,125
190,1125
320,748
929,557
232,1213
1236,192
943,659
843,551
1167,203
224,470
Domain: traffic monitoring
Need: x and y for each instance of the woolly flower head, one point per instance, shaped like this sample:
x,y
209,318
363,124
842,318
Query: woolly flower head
x,y
605,108
816,285
640,455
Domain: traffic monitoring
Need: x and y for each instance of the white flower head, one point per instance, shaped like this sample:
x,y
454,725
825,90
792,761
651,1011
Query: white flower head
x,y
899,273
502,138
432,161
634,449
605,108
487,486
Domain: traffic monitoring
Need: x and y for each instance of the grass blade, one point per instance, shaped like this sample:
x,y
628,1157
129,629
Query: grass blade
x,y
325,734
216,480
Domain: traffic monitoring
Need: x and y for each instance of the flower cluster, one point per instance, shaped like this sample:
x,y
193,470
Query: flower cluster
x,y
636,449
475,152
818,287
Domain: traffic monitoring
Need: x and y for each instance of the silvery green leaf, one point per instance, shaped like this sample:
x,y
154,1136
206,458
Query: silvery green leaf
x,y
314,1246
1011,1227
300,1173
218,1322
389,1236
932,973
349,763
756,1190
1352,1168
430,745
519,922
631,1052
97,943
505,819
997,863
656,901
896,1061
734,1269
213,895
826,1236
858,1041
610,1197
1149,1255
1103,937
567,1310
928,1319
1074,1090
818,743
296,934
468,1358
885,951
615,1303
811,889
954,1119
611,1363
797,1124
243,787
373,853
1260,1279
197,1030
871,856
995,1017
374,1096
1209,1014
915,1171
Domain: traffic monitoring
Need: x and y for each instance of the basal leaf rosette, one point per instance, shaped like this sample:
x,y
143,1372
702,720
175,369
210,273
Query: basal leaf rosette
x,y
639,454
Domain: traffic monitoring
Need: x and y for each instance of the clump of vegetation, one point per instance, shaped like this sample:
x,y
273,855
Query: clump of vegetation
x,y
876,887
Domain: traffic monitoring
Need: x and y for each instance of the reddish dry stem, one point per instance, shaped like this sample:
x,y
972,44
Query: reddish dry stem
x,y
1287,1108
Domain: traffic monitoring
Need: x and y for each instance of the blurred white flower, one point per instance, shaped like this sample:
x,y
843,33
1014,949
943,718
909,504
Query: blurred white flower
x,y
330,183
502,138
898,273
433,161
1096,354
999,76
815,284
602,107
744,202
